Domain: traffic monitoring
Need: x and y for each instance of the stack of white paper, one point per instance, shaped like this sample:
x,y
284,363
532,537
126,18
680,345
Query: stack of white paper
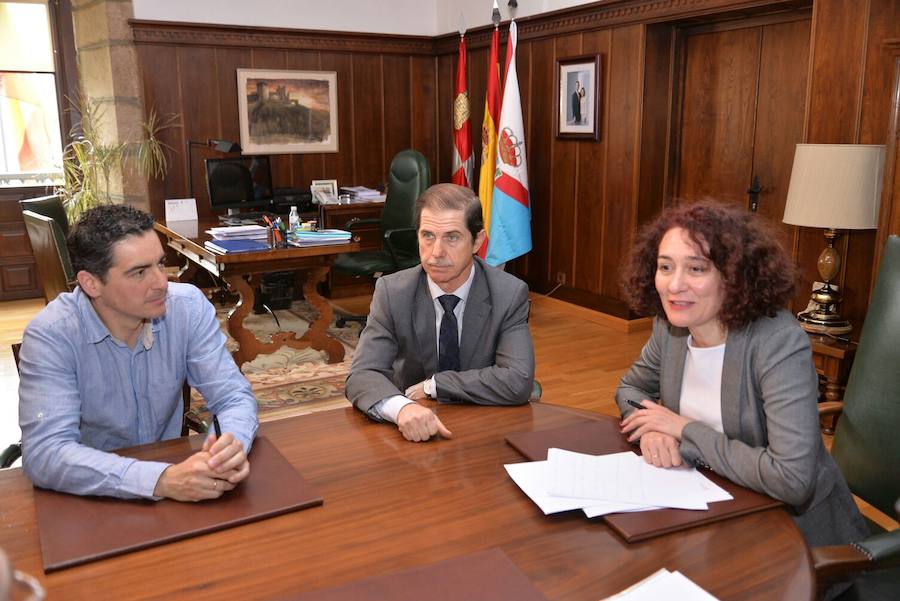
x,y
664,585
239,232
619,482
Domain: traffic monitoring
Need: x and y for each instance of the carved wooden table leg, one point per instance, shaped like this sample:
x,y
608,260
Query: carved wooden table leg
x,y
249,346
317,334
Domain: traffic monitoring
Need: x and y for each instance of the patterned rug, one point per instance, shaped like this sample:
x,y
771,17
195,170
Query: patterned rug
x,y
289,381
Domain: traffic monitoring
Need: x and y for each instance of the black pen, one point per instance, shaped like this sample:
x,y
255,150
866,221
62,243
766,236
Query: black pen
x,y
635,404
218,429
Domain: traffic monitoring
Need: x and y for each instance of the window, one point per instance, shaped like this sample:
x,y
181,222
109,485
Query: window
x,y
30,139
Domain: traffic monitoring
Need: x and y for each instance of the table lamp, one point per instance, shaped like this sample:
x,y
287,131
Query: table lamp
x,y
833,186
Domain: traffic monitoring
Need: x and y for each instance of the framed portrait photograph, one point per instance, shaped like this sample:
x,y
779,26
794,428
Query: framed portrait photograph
x,y
287,112
578,94
324,191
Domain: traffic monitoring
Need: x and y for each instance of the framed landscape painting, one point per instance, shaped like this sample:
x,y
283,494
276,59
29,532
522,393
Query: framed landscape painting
x,y
578,97
287,112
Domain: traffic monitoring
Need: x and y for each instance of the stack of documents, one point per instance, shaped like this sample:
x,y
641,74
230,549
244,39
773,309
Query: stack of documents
x,y
614,483
318,237
239,232
239,245
363,193
664,585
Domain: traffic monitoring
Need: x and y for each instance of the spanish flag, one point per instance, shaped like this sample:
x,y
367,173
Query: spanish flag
x,y
489,137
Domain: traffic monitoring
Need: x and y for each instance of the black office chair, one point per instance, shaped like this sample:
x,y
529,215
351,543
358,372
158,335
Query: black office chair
x,y
409,177
867,444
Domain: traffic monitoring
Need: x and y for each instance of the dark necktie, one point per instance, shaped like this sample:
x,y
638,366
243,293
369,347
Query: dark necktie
x,y
448,342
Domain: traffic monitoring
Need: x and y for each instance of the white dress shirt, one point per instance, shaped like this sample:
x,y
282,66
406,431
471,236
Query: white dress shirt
x,y
389,408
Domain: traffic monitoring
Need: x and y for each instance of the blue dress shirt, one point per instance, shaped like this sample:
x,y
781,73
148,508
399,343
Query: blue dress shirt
x,y
82,392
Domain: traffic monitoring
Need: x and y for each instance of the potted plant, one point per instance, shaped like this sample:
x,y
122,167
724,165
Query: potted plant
x,y
90,163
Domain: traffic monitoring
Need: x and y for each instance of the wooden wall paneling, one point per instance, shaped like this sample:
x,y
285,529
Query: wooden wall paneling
x,y
424,108
883,25
541,176
308,166
282,165
590,202
889,214
200,111
625,85
655,116
398,91
780,114
718,115
564,191
228,61
162,90
341,165
835,82
368,115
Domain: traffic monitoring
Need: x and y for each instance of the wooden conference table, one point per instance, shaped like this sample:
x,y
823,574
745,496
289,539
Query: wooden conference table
x,y
240,270
392,505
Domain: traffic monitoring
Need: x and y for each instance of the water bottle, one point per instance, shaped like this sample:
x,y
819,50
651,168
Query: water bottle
x,y
294,220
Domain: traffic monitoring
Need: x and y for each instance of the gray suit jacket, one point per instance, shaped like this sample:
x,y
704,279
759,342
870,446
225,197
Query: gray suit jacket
x,y
772,442
398,347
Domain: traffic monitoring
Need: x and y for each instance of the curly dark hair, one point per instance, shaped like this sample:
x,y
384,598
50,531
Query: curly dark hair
x,y
758,275
92,238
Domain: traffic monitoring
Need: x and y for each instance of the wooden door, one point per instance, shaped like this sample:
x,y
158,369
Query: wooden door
x,y
740,110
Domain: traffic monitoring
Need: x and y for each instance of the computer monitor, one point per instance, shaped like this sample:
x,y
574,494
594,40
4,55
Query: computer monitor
x,y
238,183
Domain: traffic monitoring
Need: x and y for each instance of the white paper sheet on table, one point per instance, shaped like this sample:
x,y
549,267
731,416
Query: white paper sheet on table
x,y
533,477
664,585
623,478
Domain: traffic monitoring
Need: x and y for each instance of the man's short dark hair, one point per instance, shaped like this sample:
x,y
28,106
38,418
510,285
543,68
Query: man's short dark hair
x,y
443,197
92,238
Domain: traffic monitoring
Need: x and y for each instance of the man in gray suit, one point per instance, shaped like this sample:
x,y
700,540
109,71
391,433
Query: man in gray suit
x,y
452,329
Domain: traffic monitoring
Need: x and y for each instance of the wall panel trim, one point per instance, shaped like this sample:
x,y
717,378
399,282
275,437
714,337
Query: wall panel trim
x,y
225,36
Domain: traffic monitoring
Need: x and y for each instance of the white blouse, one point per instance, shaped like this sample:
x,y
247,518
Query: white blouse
x,y
701,384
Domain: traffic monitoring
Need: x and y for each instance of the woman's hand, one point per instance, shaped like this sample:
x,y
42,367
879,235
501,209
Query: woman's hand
x,y
660,450
653,418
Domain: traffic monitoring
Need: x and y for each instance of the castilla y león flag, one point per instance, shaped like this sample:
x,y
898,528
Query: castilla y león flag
x,y
510,224
462,135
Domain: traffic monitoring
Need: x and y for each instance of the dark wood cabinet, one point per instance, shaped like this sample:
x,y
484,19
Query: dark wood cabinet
x,y
336,216
18,272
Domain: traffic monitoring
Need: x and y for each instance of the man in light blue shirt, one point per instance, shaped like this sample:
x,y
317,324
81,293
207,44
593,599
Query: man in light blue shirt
x,y
102,368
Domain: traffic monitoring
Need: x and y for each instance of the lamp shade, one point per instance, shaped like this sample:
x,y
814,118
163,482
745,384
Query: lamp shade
x,y
836,186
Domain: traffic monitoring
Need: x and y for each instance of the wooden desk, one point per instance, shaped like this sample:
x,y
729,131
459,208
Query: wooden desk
x,y
339,285
391,505
240,271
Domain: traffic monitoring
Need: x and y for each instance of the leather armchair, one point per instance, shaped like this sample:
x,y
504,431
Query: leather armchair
x,y
47,226
409,176
867,442
50,253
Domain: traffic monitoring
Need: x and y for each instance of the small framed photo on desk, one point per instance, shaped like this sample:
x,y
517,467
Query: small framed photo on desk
x,y
324,191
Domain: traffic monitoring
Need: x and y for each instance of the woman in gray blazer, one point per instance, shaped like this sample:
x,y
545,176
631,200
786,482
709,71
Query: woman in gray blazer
x,y
726,380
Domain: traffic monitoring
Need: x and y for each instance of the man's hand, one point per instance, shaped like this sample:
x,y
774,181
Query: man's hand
x,y
216,469
660,450
227,456
418,423
416,392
